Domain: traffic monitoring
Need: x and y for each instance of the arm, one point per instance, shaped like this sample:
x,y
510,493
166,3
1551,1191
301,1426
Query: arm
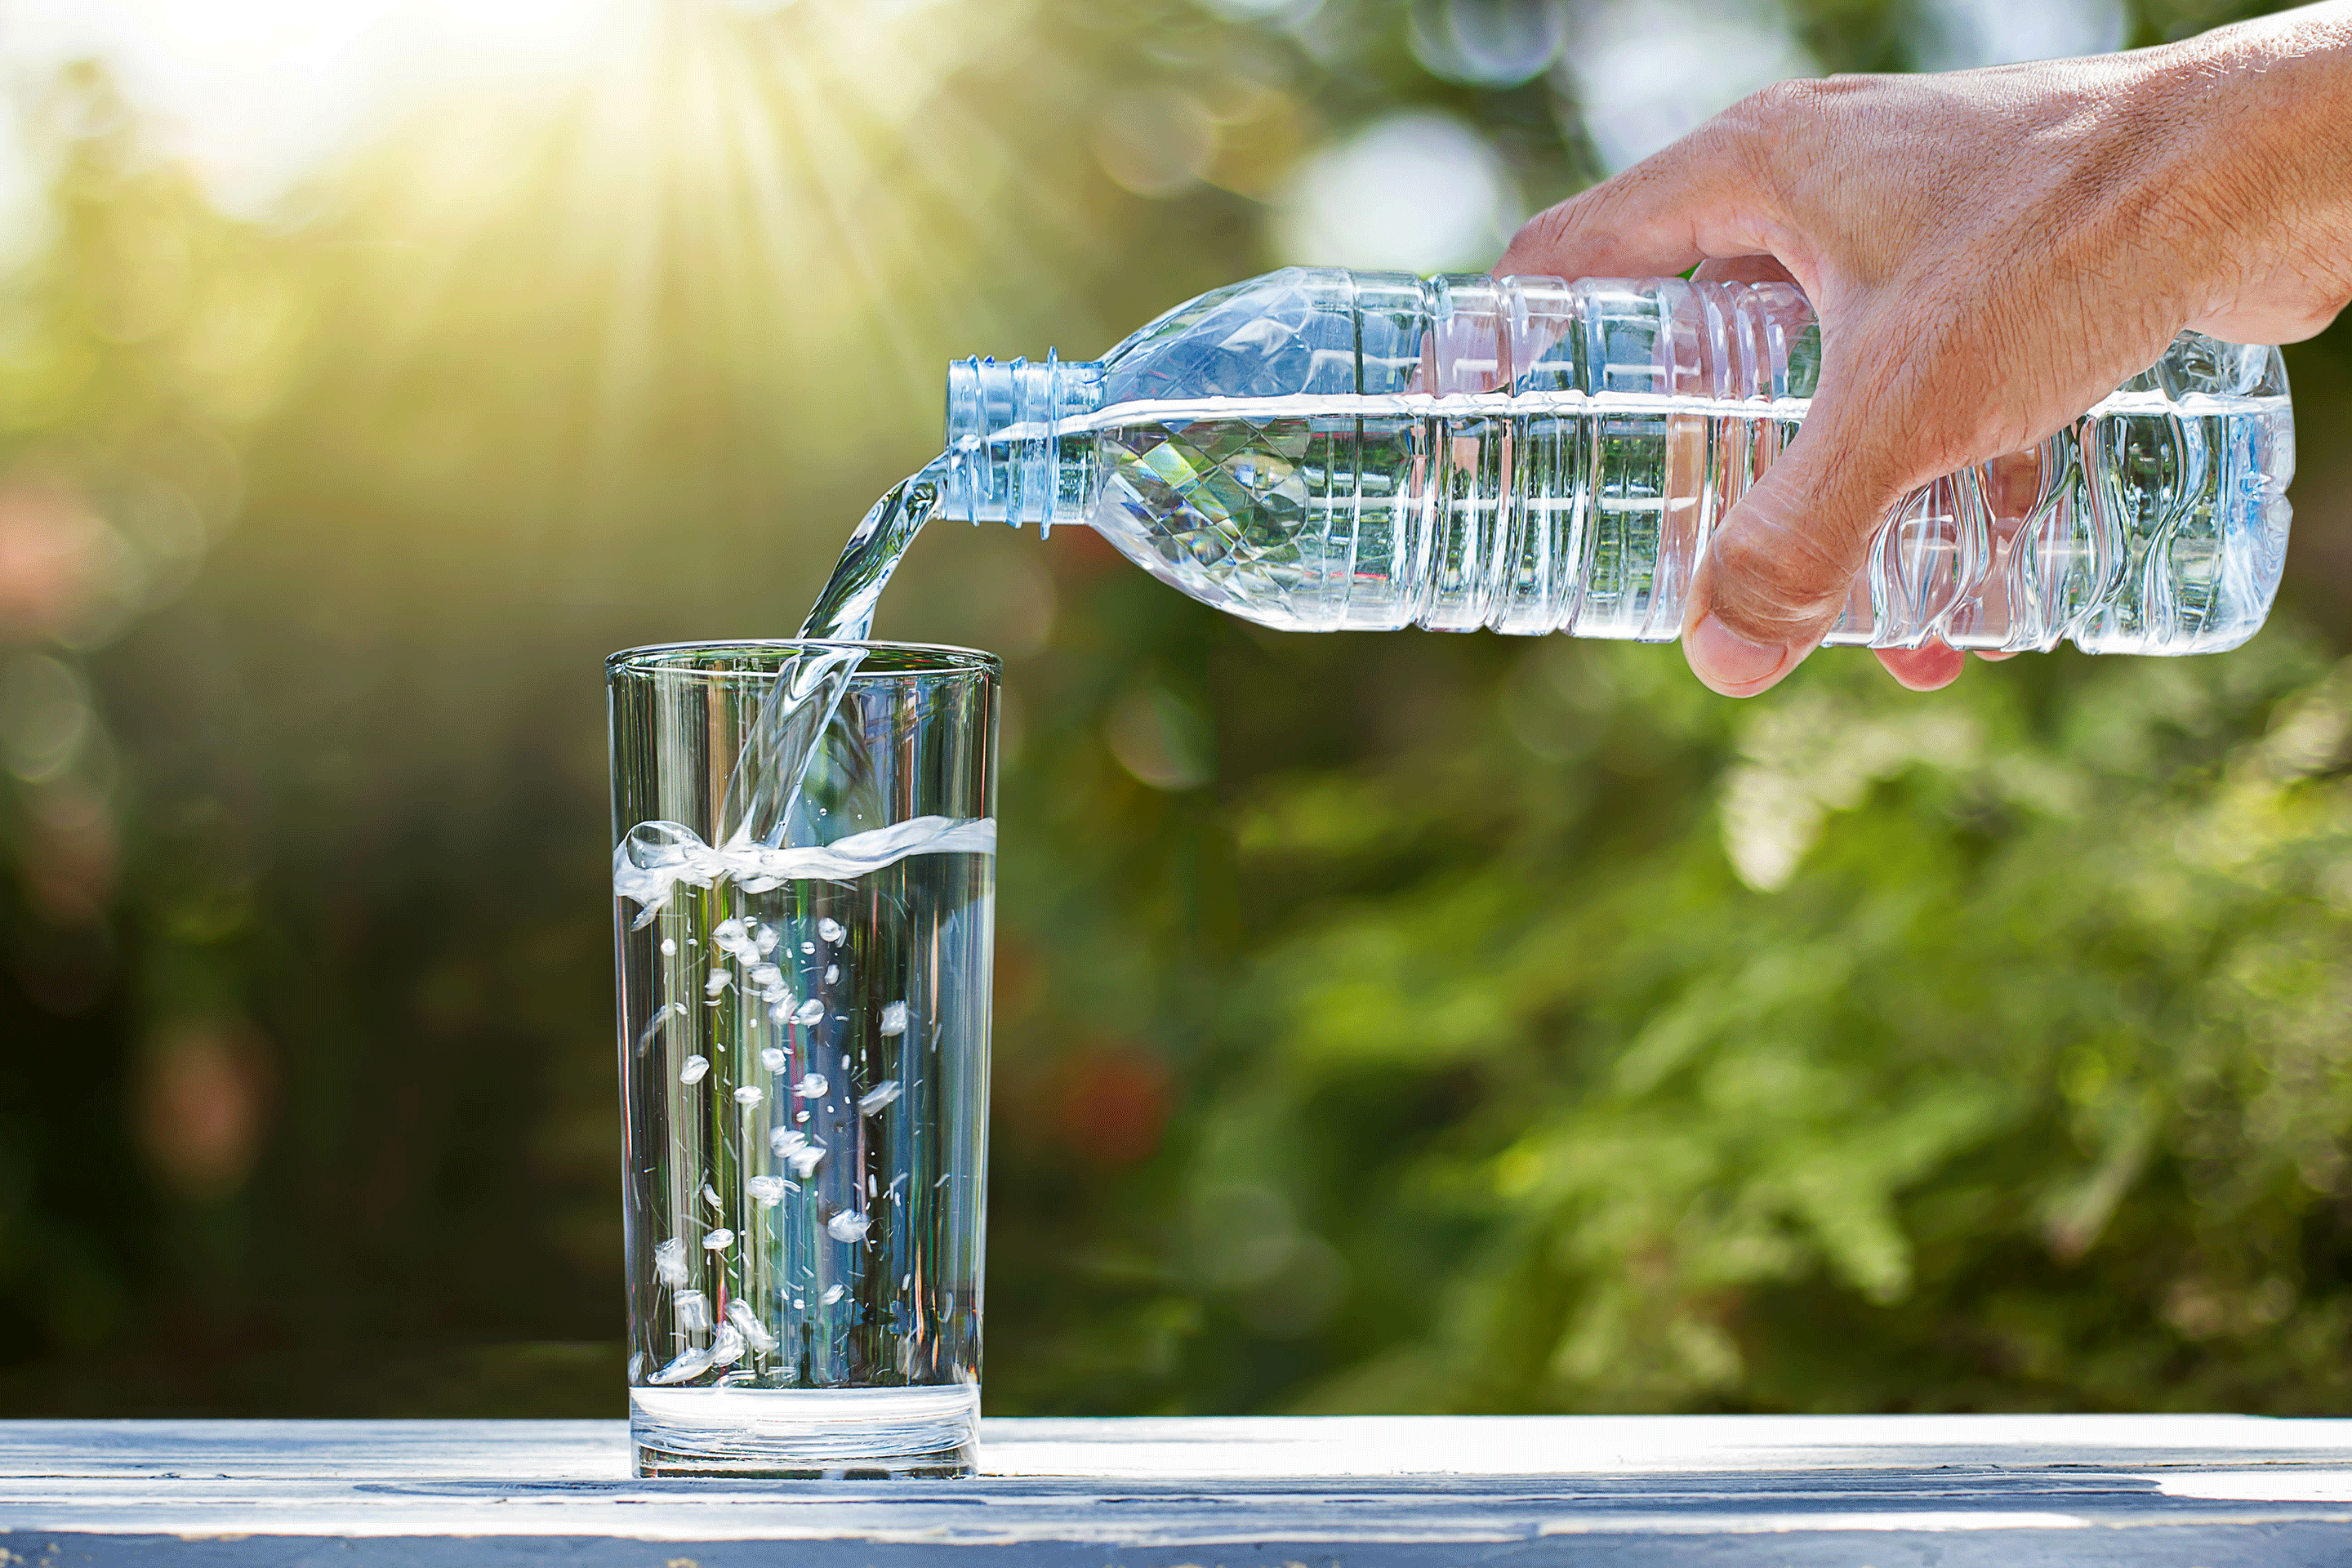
x,y
1990,252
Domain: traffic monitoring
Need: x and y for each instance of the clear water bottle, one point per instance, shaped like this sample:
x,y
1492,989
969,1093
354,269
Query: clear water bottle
x,y
1318,450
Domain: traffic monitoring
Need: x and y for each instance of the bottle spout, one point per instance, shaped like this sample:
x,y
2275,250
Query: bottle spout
x,y
1011,454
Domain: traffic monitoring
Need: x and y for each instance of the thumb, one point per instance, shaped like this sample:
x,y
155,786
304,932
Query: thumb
x,y
1778,567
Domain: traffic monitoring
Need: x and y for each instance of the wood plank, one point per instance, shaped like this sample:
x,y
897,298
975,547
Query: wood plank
x,y
1373,1493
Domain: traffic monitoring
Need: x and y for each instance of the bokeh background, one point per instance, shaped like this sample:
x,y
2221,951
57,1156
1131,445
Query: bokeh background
x,y
1387,1023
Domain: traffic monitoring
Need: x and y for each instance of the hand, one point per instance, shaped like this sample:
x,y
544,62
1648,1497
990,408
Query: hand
x,y
1990,252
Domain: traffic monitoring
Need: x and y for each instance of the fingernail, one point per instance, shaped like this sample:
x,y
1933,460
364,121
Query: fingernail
x,y
1728,662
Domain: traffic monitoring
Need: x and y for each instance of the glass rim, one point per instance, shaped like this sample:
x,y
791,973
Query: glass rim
x,y
765,655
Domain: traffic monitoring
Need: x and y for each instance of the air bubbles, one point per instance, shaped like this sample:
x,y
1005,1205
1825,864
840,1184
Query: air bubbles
x,y
662,1014
793,1147
691,1363
750,1094
829,929
669,1262
832,1293
812,1086
881,1095
669,947
894,1019
849,1226
773,1058
692,1070
768,1190
808,1013
746,1322
718,1240
832,973
693,1310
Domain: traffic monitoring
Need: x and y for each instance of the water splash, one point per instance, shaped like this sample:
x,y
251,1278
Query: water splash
x,y
799,704
651,863
844,610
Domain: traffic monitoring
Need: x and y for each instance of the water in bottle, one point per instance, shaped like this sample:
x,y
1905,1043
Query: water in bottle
x,y
1318,450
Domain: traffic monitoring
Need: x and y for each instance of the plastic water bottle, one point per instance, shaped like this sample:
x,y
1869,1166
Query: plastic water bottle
x,y
1318,450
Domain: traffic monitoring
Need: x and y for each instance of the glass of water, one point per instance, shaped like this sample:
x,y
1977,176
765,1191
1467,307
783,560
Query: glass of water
x,y
804,1040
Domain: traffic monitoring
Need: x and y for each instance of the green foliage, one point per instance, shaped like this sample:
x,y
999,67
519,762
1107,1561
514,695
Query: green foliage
x,y
1385,1023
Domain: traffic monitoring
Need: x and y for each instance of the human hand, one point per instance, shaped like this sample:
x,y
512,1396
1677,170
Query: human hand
x,y
1990,253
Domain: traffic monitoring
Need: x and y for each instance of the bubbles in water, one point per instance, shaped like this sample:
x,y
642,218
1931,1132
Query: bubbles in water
x,y
847,1225
881,1095
811,1087
769,1190
669,947
692,1364
746,1322
669,1262
773,1058
808,947
693,1068
832,1293
765,940
718,980
808,1013
657,857
711,1197
831,972
750,1094
693,1309
732,938
662,1014
718,1240
765,975
793,1147
830,929
894,1019
727,1344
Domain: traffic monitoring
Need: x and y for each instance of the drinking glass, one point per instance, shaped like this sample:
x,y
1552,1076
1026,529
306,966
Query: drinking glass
x,y
803,1042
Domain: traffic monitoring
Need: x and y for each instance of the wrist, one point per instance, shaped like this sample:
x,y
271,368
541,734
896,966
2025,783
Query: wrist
x,y
2252,125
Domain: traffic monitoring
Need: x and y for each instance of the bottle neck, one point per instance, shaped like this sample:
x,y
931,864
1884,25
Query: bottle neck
x,y
1010,456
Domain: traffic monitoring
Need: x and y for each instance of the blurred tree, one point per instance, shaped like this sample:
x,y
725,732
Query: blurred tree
x,y
1385,1023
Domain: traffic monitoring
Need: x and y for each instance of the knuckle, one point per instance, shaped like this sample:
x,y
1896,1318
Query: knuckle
x,y
1546,233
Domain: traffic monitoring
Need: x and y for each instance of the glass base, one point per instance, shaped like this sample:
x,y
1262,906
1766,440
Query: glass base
x,y
811,1434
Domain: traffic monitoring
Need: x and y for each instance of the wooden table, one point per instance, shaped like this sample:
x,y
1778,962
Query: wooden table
x,y
2187,1492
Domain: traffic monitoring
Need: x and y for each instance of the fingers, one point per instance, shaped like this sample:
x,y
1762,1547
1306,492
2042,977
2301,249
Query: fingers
x,y
1698,198
1777,570
1743,269
1929,668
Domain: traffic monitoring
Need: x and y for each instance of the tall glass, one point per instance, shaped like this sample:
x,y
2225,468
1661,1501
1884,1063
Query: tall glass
x,y
804,1035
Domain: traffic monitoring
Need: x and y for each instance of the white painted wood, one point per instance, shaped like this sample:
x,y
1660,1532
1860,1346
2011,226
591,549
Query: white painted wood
x,y
1430,1492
